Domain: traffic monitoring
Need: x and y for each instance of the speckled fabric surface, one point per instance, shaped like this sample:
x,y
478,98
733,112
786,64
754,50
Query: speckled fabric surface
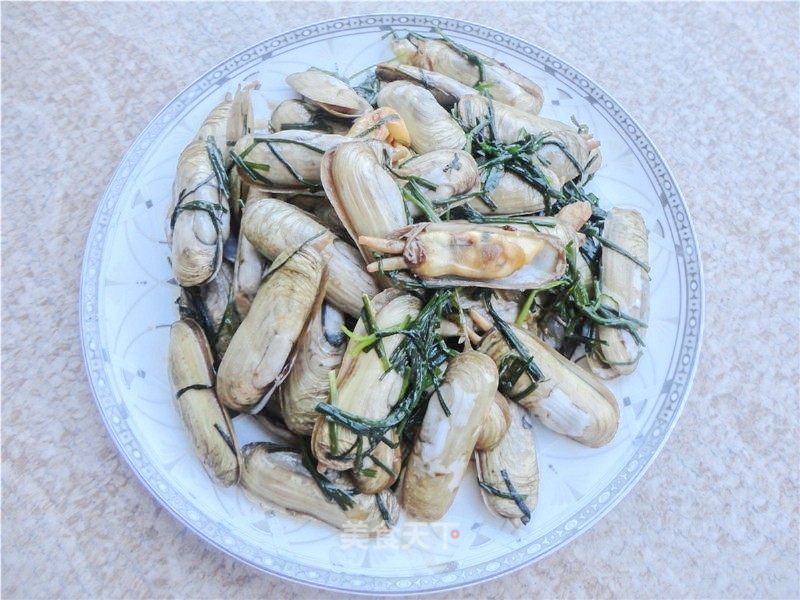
x,y
714,85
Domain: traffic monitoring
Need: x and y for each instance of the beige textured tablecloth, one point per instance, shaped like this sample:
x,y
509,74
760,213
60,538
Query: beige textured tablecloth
x,y
715,86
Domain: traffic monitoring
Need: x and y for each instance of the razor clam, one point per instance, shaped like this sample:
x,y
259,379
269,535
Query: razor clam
x,y
242,119
445,443
497,422
287,160
319,351
511,464
279,478
192,378
364,387
626,285
431,126
211,305
247,273
461,253
273,226
215,125
264,346
565,152
297,114
361,190
446,90
441,176
566,398
328,92
198,218
512,195
471,68
382,124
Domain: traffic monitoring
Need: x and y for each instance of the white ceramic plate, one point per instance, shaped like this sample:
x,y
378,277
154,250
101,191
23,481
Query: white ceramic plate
x,y
127,304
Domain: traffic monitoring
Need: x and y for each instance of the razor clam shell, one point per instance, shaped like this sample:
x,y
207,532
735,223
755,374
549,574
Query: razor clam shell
x,y
516,454
367,390
298,114
263,348
507,85
241,121
627,287
444,445
431,126
453,172
497,422
569,400
280,479
549,264
361,190
328,92
216,295
247,273
196,238
446,90
272,226
208,423
319,351
509,122
304,161
216,125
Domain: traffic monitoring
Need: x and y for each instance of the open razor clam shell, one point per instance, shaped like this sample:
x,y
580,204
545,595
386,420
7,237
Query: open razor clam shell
x,y
272,226
328,92
626,285
296,114
445,443
191,375
568,399
247,273
431,127
279,478
265,344
361,190
548,263
443,57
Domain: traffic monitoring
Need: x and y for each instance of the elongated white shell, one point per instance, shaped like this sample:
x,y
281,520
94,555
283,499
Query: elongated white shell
x,y
625,286
263,348
446,90
280,479
361,190
286,160
509,123
366,389
320,351
506,85
273,226
192,378
431,126
569,400
442,451
516,456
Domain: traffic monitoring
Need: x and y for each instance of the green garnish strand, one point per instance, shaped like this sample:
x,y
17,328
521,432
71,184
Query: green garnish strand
x,y
512,494
371,325
342,497
218,165
333,436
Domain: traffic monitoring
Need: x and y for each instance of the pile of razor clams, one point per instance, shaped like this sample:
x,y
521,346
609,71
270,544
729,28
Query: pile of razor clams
x,y
395,277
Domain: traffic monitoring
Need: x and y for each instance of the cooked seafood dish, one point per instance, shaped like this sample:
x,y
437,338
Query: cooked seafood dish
x,y
397,276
